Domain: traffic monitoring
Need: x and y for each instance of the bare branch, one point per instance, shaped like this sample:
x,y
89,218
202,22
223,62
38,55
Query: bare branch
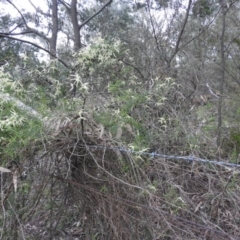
x,y
25,22
23,18
66,5
35,45
15,34
210,90
39,10
15,28
95,14
153,26
134,67
182,30
184,45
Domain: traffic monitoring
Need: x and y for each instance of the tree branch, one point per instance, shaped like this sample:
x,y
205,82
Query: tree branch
x,y
14,34
204,30
66,5
135,68
95,14
23,18
182,30
25,22
39,10
10,32
35,45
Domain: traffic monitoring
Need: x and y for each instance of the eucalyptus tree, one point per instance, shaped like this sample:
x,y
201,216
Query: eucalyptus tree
x,y
37,24
79,18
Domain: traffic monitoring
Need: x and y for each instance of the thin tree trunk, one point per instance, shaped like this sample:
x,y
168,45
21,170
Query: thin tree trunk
x,y
222,79
77,37
53,39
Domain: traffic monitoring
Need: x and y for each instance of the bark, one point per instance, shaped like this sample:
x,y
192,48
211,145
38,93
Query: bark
x,y
53,39
223,69
76,30
72,9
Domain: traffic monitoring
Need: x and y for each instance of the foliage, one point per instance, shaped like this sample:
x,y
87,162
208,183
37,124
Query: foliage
x,y
82,134
16,129
98,63
204,8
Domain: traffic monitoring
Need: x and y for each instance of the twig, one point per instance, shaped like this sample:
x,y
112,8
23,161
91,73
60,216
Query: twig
x,y
23,236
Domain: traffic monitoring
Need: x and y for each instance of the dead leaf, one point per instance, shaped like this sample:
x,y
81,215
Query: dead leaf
x,y
2,169
198,206
101,129
15,177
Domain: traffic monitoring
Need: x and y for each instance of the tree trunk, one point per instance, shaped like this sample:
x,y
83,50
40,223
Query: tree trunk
x,y
53,39
76,30
222,79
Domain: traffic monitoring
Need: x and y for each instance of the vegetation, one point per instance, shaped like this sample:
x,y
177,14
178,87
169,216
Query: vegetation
x,y
106,108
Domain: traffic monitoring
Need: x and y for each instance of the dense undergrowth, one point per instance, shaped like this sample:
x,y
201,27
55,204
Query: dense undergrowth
x,y
79,169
